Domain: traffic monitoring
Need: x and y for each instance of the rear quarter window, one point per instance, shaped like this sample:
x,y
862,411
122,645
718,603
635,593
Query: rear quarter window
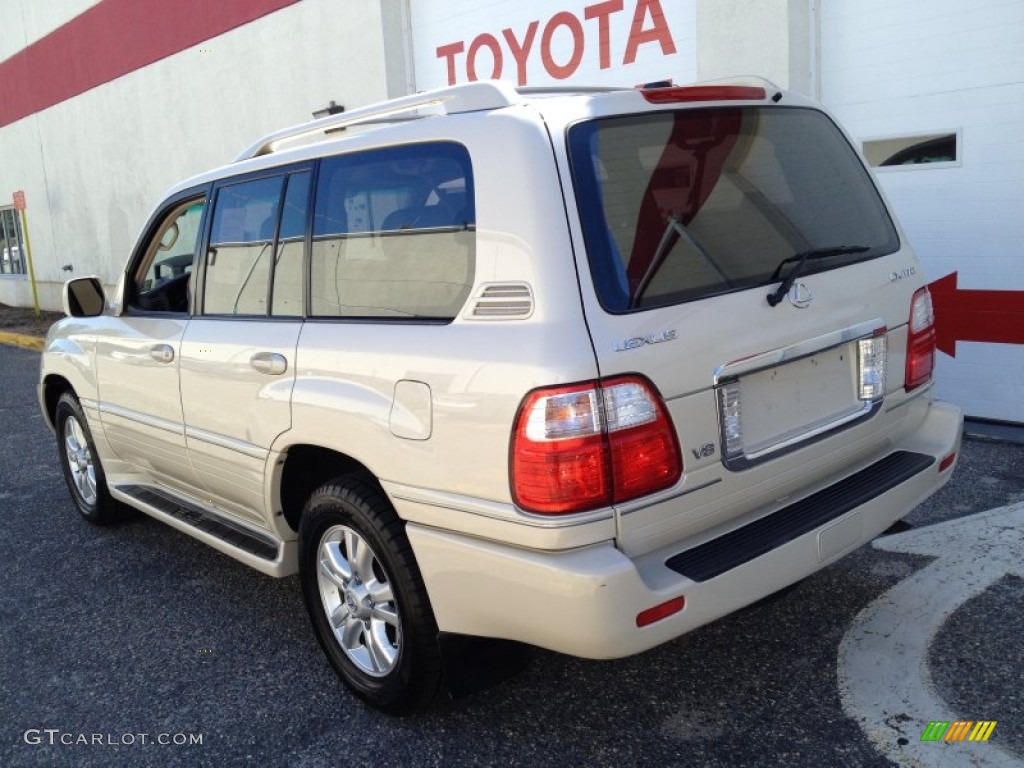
x,y
394,234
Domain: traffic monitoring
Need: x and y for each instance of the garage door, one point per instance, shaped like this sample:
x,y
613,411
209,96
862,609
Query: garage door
x,y
934,89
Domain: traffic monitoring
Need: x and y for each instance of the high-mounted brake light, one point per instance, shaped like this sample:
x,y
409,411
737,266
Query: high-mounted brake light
x,y
704,93
920,341
589,445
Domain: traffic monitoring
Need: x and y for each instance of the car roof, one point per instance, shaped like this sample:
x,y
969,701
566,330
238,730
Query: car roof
x,y
333,134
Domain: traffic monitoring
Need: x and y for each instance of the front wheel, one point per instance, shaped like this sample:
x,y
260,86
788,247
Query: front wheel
x,y
366,599
81,465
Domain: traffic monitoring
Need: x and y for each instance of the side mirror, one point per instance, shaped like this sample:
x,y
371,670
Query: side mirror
x,y
83,297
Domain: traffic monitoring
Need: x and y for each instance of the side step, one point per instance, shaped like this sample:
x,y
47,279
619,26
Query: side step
x,y
737,547
228,531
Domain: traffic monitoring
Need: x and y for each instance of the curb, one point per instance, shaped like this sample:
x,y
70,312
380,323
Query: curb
x,y
22,340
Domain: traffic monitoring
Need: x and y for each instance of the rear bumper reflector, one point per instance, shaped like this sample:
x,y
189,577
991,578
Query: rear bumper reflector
x,y
717,556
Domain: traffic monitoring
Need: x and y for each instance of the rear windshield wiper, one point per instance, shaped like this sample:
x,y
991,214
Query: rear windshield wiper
x,y
801,260
674,230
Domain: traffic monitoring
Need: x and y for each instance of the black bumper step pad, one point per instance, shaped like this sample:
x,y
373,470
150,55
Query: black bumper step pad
x,y
719,555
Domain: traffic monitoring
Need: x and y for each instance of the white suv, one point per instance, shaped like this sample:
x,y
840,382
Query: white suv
x,y
583,370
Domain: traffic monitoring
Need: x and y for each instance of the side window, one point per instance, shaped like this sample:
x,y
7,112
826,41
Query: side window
x,y
291,244
161,281
238,261
394,234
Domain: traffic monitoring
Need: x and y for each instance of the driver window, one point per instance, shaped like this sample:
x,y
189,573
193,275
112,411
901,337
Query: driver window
x,y
161,280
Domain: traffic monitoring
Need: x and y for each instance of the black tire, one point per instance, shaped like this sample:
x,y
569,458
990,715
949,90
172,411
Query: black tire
x,y
88,488
392,659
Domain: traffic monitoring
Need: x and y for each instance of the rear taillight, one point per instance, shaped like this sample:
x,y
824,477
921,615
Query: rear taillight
x,y
589,445
920,341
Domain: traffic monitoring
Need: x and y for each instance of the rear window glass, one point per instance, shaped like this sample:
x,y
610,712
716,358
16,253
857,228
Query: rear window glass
x,y
678,206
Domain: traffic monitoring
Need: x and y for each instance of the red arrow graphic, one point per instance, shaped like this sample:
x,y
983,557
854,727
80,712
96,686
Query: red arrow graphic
x,y
963,315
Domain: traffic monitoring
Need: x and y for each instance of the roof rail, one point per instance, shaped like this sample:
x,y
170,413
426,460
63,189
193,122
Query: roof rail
x,y
542,90
468,97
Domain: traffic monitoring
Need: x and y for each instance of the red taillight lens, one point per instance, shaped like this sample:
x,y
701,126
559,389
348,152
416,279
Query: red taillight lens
x,y
589,445
920,341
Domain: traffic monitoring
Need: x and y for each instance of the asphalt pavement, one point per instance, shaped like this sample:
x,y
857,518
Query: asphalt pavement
x,y
113,641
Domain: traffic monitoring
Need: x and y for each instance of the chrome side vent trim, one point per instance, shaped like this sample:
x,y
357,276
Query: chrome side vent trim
x,y
501,301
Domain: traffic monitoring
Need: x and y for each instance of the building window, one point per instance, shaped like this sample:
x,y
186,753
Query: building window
x,y
931,149
12,243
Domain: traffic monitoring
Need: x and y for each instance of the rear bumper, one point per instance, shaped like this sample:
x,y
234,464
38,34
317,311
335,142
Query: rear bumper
x,y
584,602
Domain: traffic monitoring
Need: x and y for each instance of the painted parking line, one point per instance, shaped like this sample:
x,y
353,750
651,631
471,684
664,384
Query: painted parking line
x,y
884,679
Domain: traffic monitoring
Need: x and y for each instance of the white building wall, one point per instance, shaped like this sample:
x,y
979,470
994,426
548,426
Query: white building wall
x,y
584,42
768,38
892,69
94,166
25,21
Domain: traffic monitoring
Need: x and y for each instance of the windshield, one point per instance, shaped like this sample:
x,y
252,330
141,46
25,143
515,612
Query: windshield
x,y
678,206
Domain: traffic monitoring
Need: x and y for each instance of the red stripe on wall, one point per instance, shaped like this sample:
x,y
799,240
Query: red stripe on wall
x,y
111,39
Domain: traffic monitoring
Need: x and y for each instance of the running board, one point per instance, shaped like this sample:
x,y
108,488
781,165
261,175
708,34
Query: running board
x,y
205,520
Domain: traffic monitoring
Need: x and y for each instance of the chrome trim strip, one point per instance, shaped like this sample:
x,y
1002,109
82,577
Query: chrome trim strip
x,y
174,427
508,513
628,509
861,413
745,461
223,441
806,348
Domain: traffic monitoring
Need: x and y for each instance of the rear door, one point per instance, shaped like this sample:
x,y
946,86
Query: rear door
x,y
238,353
740,256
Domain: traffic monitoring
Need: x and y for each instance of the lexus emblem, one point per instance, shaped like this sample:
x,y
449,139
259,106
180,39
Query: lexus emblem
x,y
800,296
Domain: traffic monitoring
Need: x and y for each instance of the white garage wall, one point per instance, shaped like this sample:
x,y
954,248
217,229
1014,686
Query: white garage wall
x,y
893,68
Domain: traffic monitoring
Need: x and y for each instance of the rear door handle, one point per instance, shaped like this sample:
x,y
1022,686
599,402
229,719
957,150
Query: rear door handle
x,y
162,353
270,363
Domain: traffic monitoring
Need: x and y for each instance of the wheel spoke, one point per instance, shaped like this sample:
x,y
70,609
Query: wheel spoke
x,y
380,591
351,633
386,613
362,560
82,483
382,653
338,615
334,565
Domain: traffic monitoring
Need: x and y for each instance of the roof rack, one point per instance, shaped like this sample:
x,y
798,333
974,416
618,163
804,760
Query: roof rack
x,y
456,99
